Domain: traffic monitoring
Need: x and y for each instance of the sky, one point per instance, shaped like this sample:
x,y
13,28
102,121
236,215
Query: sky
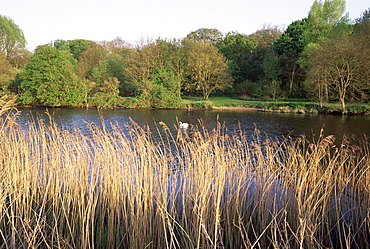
x,y
43,21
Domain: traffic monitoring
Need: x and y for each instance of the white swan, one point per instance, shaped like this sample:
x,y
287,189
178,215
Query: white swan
x,y
183,126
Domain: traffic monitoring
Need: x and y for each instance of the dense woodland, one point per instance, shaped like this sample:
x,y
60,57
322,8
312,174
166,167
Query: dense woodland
x,y
324,57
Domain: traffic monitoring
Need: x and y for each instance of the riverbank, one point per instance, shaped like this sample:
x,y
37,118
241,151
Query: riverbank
x,y
281,106
300,106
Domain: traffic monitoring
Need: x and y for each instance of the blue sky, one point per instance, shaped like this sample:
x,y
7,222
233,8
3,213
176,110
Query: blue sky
x,y
45,20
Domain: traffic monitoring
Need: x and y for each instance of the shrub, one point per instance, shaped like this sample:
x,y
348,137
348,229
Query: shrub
x,y
49,79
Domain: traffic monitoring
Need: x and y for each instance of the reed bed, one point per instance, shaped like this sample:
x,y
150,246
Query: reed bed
x,y
126,188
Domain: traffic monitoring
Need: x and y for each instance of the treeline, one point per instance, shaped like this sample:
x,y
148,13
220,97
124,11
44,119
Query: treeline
x,y
324,56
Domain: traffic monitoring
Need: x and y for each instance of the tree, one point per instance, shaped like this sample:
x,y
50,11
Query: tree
x,y
75,47
145,61
11,37
13,44
90,58
327,12
337,63
49,79
204,34
156,71
316,83
325,19
177,60
116,61
99,72
361,36
272,71
292,41
166,90
208,68
19,59
100,64
362,26
289,48
264,38
6,72
110,86
142,63
238,50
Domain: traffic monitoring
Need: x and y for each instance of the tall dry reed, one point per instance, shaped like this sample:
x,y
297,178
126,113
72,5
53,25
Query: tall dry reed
x,y
125,188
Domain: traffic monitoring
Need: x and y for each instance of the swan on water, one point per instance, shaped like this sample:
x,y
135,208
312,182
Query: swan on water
x,y
183,126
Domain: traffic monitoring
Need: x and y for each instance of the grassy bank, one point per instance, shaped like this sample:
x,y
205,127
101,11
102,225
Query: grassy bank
x,y
284,106
60,188
266,105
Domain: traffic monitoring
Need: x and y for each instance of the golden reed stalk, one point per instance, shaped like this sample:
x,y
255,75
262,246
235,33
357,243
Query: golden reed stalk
x,y
123,188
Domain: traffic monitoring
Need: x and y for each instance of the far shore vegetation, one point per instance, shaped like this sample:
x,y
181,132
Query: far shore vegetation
x,y
236,103
318,64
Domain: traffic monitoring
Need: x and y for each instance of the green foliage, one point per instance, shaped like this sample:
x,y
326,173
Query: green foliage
x,y
49,79
271,66
238,50
204,34
269,63
327,12
116,59
289,48
103,100
292,42
98,73
164,98
13,46
202,104
156,72
90,60
265,38
363,23
250,88
110,86
164,91
272,71
340,65
208,69
358,109
75,47
236,47
115,66
6,73
11,37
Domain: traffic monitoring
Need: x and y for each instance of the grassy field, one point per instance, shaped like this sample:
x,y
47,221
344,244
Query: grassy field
x,y
123,188
289,105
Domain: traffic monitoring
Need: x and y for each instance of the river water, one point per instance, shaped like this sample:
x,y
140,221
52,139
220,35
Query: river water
x,y
272,124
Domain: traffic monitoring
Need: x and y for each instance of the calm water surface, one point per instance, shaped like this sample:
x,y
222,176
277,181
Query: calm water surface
x,y
271,124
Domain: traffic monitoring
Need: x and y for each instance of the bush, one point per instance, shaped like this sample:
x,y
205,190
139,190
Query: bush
x,y
49,79
105,100
203,104
357,109
164,98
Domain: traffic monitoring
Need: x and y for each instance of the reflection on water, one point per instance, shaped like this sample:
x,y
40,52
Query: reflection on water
x,y
272,124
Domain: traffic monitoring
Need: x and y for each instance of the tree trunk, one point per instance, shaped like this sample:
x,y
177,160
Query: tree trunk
x,y
320,96
343,105
291,79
